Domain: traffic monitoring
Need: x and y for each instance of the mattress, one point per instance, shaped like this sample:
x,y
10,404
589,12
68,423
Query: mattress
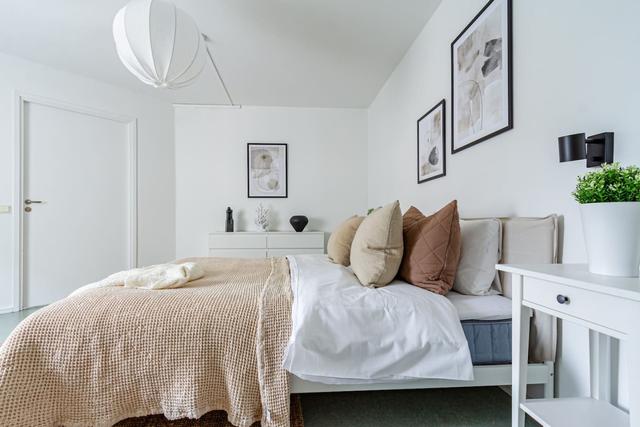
x,y
486,322
489,344
489,341
489,307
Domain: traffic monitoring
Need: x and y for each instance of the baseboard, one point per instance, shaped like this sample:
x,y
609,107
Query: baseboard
x,y
4,310
506,389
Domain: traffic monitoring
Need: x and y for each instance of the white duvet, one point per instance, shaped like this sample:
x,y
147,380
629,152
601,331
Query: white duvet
x,y
343,332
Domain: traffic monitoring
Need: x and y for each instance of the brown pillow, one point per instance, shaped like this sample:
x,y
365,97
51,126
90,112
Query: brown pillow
x,y
339,244
431,248
376,251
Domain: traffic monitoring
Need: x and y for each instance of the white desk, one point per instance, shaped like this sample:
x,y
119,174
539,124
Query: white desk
x,y
609,307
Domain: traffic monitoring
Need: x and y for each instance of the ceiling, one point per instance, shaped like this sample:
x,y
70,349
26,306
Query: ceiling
x,y
308,53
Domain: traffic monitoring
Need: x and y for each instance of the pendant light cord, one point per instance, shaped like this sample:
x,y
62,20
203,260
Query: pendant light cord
x,y
215,67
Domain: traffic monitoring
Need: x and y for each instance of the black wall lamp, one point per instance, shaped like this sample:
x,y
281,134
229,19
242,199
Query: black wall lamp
x,y
597,149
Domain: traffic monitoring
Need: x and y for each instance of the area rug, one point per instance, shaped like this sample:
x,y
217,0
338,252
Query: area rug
x,y
210,419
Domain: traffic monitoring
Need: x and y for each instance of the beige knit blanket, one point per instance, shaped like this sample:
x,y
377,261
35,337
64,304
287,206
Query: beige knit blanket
x,y
107,354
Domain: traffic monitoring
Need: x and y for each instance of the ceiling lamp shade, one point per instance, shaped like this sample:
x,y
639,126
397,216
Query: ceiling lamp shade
x,y
159,43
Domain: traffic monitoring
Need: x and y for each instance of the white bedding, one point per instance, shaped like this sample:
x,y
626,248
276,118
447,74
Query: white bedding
x,y
486,307
344,332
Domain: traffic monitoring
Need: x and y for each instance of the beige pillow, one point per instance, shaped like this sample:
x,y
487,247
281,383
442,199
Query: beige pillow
x,y
528,241
376,251
339,244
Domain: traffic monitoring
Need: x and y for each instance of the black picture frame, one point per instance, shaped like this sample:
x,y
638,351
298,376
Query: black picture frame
x,y
509,68
286,169
443,106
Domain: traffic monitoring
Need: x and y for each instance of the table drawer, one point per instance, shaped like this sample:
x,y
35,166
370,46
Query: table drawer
x,y
298,240
237,241
285,252
602,309
238,253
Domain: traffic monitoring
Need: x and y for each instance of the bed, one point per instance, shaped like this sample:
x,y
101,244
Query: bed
x,y
486,323
103,355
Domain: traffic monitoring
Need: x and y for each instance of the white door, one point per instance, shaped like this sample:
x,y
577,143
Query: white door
x,y
76,210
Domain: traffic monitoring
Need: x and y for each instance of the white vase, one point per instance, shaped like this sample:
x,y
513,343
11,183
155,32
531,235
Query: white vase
x,y
612,237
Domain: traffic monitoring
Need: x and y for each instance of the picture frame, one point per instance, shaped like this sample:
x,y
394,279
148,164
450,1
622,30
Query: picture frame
x,y
431,131
267,170
482,77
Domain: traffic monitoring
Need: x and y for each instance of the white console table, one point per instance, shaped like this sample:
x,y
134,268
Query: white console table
x,y
609,307
242,244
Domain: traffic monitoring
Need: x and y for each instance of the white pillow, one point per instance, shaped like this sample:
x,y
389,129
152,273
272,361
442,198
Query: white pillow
x,y
479,254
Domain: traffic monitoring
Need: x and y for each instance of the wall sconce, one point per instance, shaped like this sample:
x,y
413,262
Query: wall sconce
x,y
597,149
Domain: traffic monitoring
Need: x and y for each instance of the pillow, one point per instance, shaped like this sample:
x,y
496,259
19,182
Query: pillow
x,y
339,244
376,251
432,248
528,241
479,254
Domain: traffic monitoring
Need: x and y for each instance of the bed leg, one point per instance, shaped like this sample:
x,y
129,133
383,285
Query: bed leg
x,y
549,386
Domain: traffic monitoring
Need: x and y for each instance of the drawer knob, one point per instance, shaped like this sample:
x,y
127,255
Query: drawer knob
x,y
562,299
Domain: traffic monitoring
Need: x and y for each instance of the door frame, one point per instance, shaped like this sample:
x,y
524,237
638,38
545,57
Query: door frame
x,y
21,99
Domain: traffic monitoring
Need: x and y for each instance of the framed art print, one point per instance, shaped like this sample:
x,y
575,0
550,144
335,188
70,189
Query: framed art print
x,y
267,170
431,143
481,77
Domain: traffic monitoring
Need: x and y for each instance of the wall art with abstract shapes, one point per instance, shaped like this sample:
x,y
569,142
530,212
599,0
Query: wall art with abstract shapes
x,y
481,86
267,170
431,143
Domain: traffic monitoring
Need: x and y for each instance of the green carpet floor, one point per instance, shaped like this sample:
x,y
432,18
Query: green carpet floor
x,y
455,407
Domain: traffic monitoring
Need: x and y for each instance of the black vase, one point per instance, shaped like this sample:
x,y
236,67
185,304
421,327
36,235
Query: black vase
x,y
299,222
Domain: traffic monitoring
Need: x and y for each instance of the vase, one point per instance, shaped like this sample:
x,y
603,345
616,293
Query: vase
x,y
612,237
299,222
229,222
262,218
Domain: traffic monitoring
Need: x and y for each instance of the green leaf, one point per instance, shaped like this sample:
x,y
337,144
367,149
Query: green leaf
x,y
612,183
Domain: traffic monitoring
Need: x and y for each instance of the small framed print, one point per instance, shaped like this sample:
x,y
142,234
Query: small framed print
x,y
267,170
481,77
431,143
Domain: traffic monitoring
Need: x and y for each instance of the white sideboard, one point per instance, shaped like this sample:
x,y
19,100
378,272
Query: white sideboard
x,y
609,307
263,245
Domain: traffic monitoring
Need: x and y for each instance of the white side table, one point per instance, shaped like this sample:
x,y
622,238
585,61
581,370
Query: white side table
x,y
609,307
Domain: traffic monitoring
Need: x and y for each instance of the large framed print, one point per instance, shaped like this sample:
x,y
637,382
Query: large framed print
x,y
431,143
481,77
267,170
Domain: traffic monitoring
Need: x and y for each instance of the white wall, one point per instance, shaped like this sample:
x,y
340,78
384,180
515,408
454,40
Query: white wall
x,y
156,225
327,168
576,69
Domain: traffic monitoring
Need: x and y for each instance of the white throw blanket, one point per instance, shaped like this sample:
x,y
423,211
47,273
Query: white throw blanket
x,y
160,276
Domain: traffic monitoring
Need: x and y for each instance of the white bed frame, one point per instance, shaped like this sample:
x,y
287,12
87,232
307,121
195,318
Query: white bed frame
x,y
485,375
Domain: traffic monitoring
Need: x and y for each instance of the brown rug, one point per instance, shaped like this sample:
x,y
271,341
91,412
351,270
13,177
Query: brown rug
x,y
210,419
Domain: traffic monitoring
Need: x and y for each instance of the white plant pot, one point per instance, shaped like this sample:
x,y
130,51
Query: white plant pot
x,y
612,237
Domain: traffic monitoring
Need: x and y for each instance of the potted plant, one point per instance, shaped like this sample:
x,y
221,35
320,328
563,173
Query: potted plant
x,y
610,208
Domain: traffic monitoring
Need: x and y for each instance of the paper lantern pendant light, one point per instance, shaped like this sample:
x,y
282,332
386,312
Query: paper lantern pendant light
x,y
159,43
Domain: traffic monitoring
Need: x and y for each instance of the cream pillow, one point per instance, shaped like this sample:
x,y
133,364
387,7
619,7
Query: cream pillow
x,y
339,244
528,241
376,251
479,254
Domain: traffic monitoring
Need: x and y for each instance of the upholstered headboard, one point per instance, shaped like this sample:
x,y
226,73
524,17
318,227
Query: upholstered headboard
x,y
532,241
528,241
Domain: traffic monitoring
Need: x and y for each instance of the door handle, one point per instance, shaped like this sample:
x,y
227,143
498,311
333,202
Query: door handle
x,y
29,201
